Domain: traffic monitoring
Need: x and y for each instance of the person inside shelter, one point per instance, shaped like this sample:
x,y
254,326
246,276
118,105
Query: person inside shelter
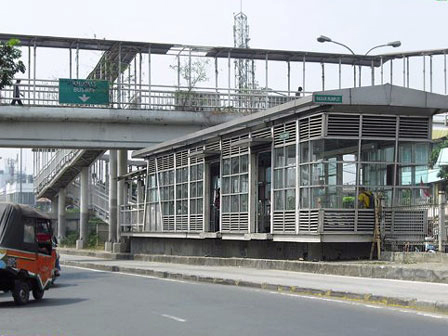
x,y
365,199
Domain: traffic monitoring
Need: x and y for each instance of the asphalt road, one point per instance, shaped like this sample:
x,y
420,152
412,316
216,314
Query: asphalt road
x,y
110,304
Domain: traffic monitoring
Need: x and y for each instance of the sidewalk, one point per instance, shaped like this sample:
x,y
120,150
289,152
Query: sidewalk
x,y
408,294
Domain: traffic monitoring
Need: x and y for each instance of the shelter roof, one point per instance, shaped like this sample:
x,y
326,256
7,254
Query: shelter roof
x,y
386,98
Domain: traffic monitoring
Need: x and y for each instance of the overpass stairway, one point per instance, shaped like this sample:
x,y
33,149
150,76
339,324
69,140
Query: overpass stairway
x,y
66,165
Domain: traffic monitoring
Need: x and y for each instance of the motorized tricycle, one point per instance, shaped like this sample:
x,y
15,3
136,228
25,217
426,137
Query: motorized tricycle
x,y
27,256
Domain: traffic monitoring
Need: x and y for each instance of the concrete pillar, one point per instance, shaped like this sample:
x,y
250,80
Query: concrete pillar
x,y
122,167
84,205
61,214
112,200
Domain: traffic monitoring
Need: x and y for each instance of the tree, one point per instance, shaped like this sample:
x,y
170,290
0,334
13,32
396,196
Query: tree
x,y
193,73
443,173
10,62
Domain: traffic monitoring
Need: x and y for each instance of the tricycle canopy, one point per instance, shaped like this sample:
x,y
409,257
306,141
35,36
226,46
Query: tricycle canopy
x,y
17,226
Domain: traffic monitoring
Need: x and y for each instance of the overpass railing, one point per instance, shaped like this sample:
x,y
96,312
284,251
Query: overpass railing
x,y
51,168
157,97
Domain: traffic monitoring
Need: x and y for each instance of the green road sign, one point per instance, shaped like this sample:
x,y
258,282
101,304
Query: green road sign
x,y
329,99
83,91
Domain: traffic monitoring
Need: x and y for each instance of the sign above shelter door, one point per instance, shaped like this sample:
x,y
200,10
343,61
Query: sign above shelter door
x,y
327,99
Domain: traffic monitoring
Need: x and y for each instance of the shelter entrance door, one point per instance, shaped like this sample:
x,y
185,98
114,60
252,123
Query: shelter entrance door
x,y
214,195
264,192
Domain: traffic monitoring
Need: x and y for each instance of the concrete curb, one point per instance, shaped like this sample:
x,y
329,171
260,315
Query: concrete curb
x,y
426,306
355,270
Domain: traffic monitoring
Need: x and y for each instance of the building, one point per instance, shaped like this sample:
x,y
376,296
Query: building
x,y
285,182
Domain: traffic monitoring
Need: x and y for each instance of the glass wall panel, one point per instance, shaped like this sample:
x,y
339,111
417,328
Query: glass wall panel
x,y
413,153
376,174
340,149
284,178
378,150
333,197
235,184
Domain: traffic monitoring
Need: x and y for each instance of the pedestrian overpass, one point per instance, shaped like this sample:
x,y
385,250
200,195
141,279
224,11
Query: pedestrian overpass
x,y
143,109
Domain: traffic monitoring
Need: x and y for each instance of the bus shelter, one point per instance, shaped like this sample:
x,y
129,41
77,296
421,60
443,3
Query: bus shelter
x,y
298,172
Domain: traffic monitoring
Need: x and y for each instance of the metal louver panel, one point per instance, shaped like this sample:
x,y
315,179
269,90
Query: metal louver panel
x,y
151,166
285,222
213,146
182,158
343,125
366,220
308,220
379,126
262,133
235,222
310,127
196,223
285,133
165,162
339,220
168,223
414,128
228,149
316,126
181,223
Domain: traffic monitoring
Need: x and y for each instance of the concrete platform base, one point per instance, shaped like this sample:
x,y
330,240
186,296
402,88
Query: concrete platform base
x,y
258,249
108,246
119,248
80,244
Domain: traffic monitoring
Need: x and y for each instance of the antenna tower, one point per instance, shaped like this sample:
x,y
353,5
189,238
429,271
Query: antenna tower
x,y
244,69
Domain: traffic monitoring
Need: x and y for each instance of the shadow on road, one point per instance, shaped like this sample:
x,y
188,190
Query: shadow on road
x,y
51,302
81,275
63,285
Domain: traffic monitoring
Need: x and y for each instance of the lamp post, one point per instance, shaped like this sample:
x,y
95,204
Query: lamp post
x,y
323,39
394,44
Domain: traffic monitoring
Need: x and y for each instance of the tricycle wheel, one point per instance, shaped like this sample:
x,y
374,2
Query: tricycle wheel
x,y
38,293
21,292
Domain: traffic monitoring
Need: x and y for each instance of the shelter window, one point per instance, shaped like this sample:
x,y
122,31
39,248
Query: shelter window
x,y
285,178
166,180
196,189
235,184
153,208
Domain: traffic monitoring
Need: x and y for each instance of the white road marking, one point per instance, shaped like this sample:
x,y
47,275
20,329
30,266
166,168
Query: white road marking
x,y
408,311
85,269
129,274
178,319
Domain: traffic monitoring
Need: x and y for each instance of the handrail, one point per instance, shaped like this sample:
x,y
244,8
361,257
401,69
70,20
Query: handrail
x,y
45,92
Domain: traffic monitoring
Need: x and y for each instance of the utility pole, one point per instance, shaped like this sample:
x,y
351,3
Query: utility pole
x,y
441,219
20,178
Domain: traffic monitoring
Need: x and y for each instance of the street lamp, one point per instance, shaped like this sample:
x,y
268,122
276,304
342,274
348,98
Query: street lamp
x,y
394,44
323,39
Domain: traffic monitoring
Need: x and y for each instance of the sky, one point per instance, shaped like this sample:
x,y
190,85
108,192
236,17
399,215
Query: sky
x,y
279,24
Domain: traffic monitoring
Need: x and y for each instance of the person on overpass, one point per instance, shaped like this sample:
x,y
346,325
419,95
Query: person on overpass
x,y
17,94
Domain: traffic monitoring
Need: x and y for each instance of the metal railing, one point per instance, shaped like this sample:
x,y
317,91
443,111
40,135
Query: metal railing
x,y
157,97
51,168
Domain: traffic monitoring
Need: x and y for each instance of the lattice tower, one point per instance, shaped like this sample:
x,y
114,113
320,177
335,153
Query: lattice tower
x,y
244,69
